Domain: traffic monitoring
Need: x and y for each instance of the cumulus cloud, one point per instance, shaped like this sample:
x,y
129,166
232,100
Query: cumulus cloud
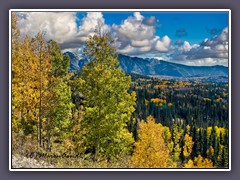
x,y
216,47
162,45
92,22
62,26
58,26
209,52
136,35
186,47
207,62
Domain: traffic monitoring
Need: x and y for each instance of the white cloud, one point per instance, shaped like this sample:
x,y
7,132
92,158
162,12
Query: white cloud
x,y
163,45
58,26
138,16
90,23
207,62
133,36
61,26
163,57
221,47
185,47
137,43
223,37
136,35
210,52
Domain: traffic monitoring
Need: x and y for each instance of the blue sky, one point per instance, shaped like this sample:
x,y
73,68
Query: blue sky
x,y
197,25
191,38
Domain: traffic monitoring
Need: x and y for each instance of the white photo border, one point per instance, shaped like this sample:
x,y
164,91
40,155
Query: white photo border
x,y
117,10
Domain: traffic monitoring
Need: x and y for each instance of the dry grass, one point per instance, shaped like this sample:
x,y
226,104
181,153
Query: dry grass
x,y
27,154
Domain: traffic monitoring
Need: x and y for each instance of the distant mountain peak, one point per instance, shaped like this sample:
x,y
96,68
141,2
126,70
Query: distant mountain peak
x,y
154,67
77,56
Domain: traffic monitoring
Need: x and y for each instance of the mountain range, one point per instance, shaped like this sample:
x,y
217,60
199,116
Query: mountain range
x,y
154,67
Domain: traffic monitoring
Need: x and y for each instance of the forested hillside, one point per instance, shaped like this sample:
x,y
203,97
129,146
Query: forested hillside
x,y
154,67
193,111
101,117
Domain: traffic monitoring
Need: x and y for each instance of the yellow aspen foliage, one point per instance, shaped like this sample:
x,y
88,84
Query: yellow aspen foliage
x,y
148,85
167,136
165,82
210,152
220,130
203,163
170,104
189,164
188,129
225,94
219,99
24,94
39,99
220,158
155,100
187,148
146,102
159,86
177,133
209,131
199,162
206,99
180,83
150,150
